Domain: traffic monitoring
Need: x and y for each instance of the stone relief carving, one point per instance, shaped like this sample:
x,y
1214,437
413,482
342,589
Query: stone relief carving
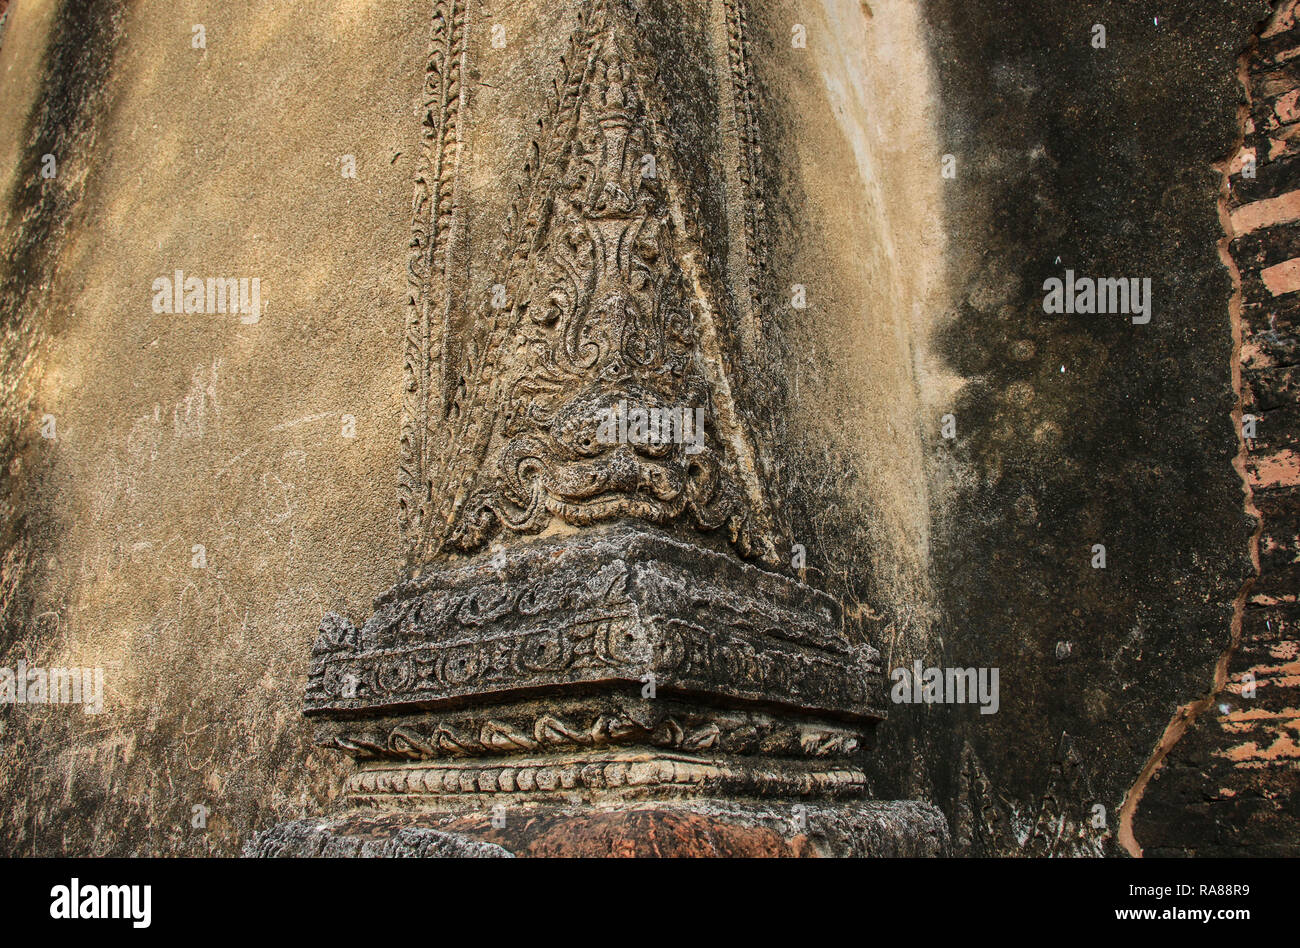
x,y
633,776
432,209
987,824
604,319
603,306
588,723
624,284
624,604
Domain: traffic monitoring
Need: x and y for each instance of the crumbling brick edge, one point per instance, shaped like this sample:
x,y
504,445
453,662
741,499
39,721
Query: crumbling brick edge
x,y
1260,215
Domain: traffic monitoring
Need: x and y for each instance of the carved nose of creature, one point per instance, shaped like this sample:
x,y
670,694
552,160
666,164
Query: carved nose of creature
x,y
624,470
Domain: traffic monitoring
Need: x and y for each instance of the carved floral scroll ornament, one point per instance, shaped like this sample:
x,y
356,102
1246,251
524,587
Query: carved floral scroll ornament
x,y
605,311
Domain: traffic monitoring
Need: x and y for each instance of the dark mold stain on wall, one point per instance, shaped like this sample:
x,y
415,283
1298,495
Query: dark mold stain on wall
x,y
1076,430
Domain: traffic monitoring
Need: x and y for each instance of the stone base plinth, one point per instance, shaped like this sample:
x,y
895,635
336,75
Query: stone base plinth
x,y
618,692
660,829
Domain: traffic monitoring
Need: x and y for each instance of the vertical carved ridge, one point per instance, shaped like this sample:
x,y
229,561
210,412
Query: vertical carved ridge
x,y
750,154
432,214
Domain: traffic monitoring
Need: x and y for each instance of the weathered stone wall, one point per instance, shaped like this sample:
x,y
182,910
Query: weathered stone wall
x,y
181,431
1077,430
273,446
1227,781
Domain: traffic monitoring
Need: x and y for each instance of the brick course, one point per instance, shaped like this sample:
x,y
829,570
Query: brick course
x,y
1228,787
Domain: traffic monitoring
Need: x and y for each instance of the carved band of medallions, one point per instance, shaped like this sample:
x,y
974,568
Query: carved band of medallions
x,y
593,723
680,656
432,214
454,603
650,774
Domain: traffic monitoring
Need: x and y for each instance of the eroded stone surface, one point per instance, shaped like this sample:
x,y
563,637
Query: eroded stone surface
x,y
318,838
701,829
605,607
186,430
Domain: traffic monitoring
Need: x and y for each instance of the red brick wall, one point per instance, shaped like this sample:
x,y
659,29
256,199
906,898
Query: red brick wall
x,y
1229,785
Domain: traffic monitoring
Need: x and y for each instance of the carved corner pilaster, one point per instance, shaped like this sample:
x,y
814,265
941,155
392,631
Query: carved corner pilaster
x,y
597,613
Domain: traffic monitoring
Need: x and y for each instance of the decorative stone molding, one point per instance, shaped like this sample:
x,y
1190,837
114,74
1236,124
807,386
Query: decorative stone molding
x,y
613,606
593,619
576,723
574,778
603,293
619,637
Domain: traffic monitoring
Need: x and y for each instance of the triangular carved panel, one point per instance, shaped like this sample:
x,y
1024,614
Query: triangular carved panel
x,y
602,314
